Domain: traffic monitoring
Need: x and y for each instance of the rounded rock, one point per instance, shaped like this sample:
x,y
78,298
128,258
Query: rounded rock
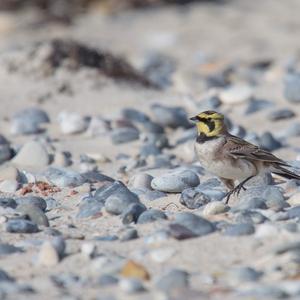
x,y
214,208
151,215
175,182
21,226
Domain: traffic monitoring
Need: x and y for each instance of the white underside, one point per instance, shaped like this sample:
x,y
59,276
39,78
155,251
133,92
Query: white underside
x,y
223,168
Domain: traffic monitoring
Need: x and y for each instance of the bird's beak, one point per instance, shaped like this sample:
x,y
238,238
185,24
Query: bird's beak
x,y
194,119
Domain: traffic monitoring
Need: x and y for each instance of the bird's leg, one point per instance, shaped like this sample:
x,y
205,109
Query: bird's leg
x,y
237,189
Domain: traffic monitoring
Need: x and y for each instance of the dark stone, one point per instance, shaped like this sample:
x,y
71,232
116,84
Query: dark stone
x,y
132,213
33,200
8,202
21,226
124,135
151,215
193,199
180,232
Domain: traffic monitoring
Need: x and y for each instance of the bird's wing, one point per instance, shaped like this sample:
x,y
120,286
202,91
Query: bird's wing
x,y
239,148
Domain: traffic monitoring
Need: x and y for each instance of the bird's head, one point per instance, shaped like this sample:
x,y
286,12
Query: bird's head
x,y
210,123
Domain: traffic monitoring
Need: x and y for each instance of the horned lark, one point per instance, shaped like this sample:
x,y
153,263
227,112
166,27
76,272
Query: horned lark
x,y
230,157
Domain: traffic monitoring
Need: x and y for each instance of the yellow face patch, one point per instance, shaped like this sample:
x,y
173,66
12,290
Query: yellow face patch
x,y
209,123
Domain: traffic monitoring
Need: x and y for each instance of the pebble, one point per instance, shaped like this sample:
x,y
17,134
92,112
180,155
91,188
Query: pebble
x,y
32,154
243,274
249,216
9,186
33,200
62,159
239,229
152,195
268,142
199,226
106,280
124,135
281,114
6,152
5,277
89,207
8,249
162,255
72,123
8,202
21,226
48,255
256,105
59,244
266,230
173,117
174,279
180,232
97,126
34,213
151,215
28,121
119,201
128,234
175,182
9,173
88,249
248,203
193,198
131,285
62,177
294,212
214,208
236,94
132,269
132,213
141,181
135,115
292,87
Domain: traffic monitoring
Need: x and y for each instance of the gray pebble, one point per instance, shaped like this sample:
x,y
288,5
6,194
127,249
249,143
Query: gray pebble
x,y
294,212
7,249
62,177
59,244
248,216
239,229
180,232
249,203
118,202
131,285
281,114
34,213
32,154
174,279
153,195
256,105
151,215
175,182
192,198
5,277
33,200
173,117
194,223
132,213
107,279
6,152
51,203
124,135
89,207
292,87
21,226
29,121
135,115
95,177
242,274
268,142
128,234
8,202
264,292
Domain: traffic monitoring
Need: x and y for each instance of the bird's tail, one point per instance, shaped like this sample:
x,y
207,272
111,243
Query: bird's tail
x,y
283,172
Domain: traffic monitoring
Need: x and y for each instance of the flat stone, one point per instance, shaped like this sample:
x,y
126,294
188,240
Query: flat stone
x,y
64,177
7,249
175,182
132,213
34,213
142,180
193,198
90,207
281,114
32,154
33,200
236,94
72,123
21,226
151,215
124,135
194,223
239,229
9,186
174,279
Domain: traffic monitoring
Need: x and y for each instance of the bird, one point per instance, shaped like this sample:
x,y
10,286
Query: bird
x,y
232,158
